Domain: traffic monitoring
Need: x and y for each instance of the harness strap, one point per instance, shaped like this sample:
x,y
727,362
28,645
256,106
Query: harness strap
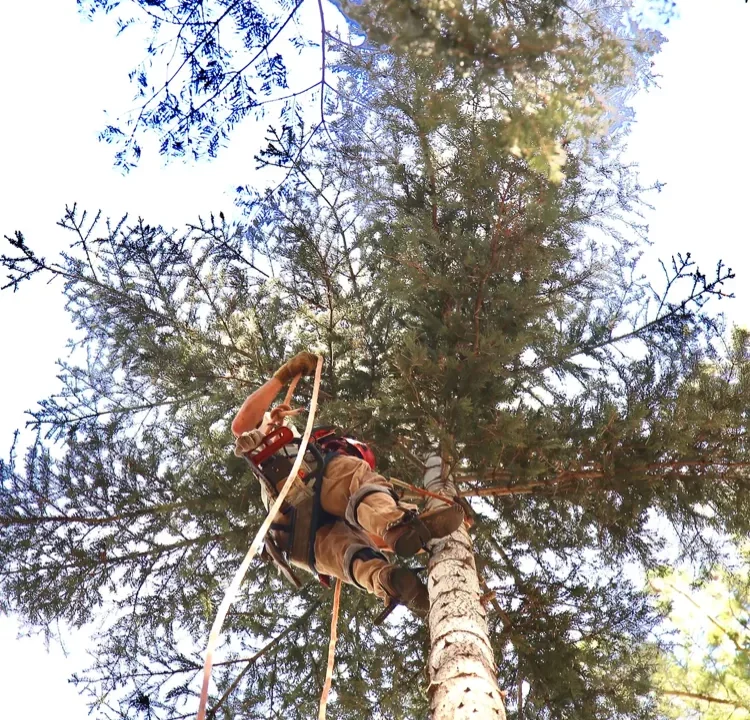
x,y
317,508
278,558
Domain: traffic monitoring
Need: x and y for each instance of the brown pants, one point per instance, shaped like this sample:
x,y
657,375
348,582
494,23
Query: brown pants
x,y
348,478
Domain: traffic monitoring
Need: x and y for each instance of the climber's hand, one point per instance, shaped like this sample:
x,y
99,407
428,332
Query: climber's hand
x,y
303,363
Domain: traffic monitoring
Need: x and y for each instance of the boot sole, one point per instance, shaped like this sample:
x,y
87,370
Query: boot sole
x,y
411,591
409,544
443,522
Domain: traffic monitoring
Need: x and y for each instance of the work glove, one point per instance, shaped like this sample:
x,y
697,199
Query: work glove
x,y
247,442
303,363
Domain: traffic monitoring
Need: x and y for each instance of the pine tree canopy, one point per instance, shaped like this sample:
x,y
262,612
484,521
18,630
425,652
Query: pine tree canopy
x,y
466,253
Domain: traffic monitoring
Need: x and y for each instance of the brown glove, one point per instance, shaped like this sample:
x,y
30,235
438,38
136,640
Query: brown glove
x,y
303,363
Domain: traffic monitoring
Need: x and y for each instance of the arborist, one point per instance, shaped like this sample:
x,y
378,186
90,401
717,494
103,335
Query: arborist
x,y
339,510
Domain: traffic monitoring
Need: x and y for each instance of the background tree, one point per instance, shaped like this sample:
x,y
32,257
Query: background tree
x,y
211,64
706,673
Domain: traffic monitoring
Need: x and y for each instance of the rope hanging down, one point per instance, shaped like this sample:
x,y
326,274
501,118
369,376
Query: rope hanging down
x,y
331,652
258,540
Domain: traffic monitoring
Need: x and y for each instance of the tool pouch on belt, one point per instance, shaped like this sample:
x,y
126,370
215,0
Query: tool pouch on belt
x,y
302,535
277,467
273,471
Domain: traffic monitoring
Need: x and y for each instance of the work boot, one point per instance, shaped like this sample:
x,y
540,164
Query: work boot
x,y
412,532
404,586
408,536
442,520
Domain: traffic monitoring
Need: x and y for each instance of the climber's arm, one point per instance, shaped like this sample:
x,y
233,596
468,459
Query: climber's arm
x,y
250,415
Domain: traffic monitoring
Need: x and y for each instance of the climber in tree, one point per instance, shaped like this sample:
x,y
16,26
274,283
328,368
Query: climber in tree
x,y
335,512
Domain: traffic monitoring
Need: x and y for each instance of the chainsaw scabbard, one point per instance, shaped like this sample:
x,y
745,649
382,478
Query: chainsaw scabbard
x,y
302,535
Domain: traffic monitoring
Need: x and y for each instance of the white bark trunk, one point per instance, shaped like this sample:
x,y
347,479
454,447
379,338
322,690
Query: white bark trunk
x,y
463,680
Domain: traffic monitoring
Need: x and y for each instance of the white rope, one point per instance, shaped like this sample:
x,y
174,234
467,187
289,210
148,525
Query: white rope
x,y
255,545
331,652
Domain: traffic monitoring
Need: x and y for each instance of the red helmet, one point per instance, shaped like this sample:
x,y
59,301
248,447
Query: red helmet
x,y
326,437
361,449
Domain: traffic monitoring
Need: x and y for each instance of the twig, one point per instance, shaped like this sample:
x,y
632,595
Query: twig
x,y
699,696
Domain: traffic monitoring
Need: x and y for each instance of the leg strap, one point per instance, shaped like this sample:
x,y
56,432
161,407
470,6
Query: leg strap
x,y
319,516
359,495
354,552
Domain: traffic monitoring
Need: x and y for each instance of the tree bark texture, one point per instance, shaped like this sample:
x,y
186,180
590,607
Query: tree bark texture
x,y
461,666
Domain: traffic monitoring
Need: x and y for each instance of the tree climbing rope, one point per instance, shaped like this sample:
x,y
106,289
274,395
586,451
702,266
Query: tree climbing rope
x,y
258,541
331,652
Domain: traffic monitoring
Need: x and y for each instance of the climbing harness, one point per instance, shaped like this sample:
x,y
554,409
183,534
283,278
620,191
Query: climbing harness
x,y
271,461
270,458
256,543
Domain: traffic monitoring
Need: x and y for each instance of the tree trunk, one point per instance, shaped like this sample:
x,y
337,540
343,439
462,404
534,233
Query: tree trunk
x,y
463,681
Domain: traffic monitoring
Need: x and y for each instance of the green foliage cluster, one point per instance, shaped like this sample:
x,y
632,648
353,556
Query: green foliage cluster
x,y
209,65
706,673
465,295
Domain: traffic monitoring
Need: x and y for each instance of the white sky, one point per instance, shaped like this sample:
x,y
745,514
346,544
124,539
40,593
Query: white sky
x,y
59,71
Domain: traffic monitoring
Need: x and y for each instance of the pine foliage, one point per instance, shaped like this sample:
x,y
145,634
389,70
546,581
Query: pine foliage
x,y
705,673
468,290
209,65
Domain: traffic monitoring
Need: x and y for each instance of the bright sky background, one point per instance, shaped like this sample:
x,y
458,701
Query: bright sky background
x,y
58,74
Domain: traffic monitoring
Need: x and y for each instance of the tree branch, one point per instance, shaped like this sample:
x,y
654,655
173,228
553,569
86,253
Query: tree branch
x,y
701,697
252,660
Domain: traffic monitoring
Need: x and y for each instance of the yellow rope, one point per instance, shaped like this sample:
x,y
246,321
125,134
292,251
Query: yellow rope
x,y
331,652
257,541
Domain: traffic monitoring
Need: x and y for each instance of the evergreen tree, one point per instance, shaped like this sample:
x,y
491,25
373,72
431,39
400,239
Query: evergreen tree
x,y
468,299
145,512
